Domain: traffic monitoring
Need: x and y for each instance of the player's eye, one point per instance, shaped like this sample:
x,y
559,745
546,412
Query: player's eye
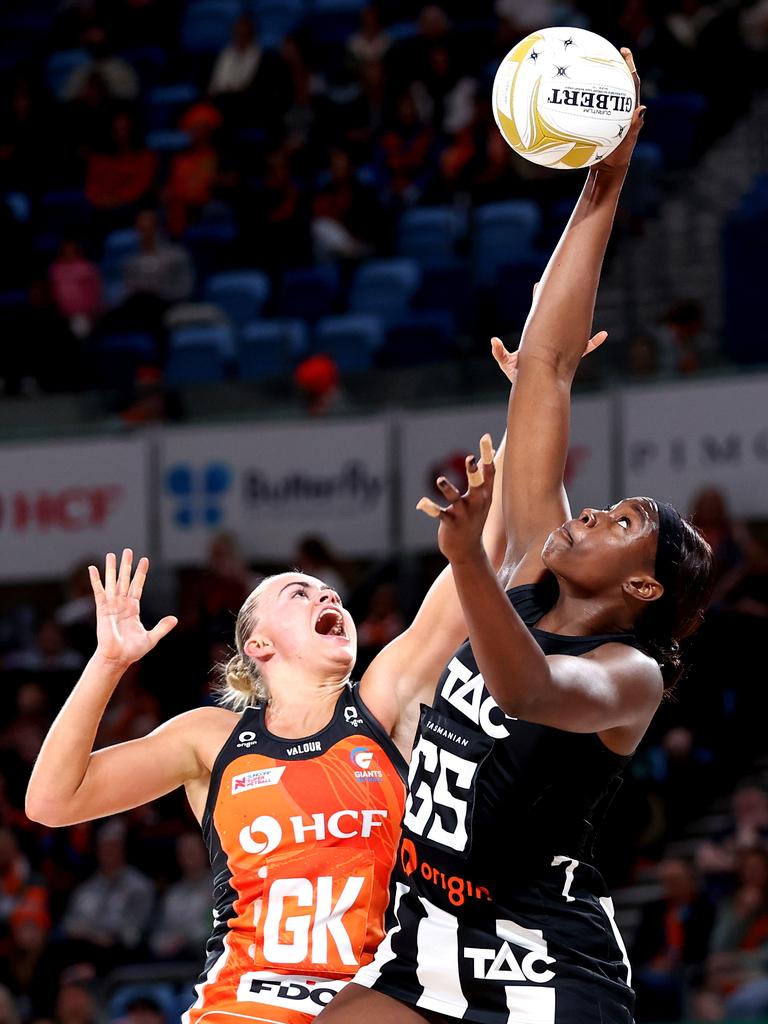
x,y
624,521
301,592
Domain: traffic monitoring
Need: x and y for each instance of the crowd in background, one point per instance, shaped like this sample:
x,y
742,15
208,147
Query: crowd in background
x,y
689,827
304,150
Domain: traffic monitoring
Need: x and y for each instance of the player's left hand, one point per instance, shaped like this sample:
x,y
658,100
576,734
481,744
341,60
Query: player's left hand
x,y
507,360
460,535
619,159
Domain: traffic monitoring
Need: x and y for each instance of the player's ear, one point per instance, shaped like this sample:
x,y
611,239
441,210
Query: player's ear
x,y
643,588
259,647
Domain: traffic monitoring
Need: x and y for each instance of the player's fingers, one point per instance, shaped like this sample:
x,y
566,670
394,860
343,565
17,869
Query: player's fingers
x,y
626,53
110,574
487,453
500,353
446,488
163,628
139,578
595,342
474,472
124,576
96,585
429,508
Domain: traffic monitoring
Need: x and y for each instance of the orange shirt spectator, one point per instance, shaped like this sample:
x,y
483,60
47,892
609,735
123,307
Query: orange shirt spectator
x,y
125,174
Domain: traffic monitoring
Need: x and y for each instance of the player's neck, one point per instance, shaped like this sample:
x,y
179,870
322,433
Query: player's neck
x,y
302,706
573,615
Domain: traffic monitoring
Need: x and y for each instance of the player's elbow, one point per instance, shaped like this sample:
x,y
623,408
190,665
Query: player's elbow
x,y
44,811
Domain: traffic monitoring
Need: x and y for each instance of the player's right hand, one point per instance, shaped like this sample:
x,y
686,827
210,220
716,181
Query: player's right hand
x,y
121,637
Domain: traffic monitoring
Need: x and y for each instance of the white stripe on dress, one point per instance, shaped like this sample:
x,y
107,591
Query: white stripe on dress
x,y
437,962
371,973
607,904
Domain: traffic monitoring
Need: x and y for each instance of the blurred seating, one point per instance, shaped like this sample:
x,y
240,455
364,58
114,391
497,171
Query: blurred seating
x,y
269,348
501,233
60,67
240,293
309,294
351,340
420,338
673,124
428,235
165,103
384,287
199,364
207,25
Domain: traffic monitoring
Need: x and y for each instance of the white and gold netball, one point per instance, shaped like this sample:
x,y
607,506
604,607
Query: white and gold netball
x,y
563,97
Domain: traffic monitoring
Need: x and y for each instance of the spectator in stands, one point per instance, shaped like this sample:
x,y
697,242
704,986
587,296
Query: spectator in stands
x,y
76,614
87,117
120,177
194,171
742,919
678,338
26,969
183,923
160,270
77,287
406,147
21,890
748,831
384,620
143,1010
318,383
75,1000
131,713
275,218
49,653
673,935
370,43
238,63
209,604
410,56
727,538
346,218
107,915
119,78
24,139
39,350
444,97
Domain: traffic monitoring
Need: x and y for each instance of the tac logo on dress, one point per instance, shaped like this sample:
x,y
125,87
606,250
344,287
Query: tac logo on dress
x,y
366,771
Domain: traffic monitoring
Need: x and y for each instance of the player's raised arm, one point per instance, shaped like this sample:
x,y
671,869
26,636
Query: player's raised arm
x,y
70,782
553,342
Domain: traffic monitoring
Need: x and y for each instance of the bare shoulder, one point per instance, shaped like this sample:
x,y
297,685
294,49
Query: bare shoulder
x,y
638,679
205,730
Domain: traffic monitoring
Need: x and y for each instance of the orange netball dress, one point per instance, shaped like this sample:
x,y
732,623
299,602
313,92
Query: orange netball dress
x,y
302,837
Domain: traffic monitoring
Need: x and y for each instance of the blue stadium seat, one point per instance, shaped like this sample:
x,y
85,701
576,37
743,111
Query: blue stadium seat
x,y
503,232
309,294
165,103
220,336
351,340
207,25
385,287
240,293
275,19
60,67
119,245
200,364
65,210
446,288
420,338
268,348
428,234
167,140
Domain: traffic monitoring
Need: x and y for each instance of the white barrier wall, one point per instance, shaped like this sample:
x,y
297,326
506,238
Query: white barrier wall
x,y
273,485
64,502
434,443
679,438
61,502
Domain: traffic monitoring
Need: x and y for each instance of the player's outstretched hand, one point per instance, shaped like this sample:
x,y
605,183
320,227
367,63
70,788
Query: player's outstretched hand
x,y
460,535
121,637
508,360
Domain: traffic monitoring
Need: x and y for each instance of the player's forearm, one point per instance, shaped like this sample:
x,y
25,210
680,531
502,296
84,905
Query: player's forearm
x,y
512,664
560,320
63,759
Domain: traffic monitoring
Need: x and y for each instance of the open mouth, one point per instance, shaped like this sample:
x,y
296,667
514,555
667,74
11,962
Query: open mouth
x,y
564,529
330,622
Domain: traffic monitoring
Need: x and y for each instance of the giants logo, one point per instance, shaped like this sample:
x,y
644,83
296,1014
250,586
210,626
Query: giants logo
x,y
271,831
467,694
362,758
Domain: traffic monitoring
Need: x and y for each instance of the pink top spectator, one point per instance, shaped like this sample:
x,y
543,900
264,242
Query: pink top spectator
x,y
76,283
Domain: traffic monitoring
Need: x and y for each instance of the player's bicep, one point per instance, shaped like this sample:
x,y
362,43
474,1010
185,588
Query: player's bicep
x,y
614,687
538,426
136,772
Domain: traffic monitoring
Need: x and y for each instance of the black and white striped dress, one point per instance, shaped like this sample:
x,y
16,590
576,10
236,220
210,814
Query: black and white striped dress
x,y
495,913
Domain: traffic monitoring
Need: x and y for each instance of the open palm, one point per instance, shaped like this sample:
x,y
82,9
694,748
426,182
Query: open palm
x,y
120,635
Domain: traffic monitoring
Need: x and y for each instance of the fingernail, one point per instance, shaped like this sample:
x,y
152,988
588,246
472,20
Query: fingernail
x,y
642,111
473,462
441,480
